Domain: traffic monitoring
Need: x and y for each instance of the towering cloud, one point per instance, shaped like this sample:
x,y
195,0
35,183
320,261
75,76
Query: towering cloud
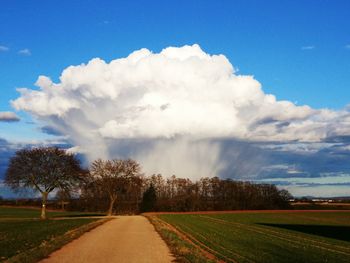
x,y
177,101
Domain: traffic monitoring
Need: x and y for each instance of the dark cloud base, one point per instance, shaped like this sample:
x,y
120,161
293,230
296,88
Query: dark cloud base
x,y
253,161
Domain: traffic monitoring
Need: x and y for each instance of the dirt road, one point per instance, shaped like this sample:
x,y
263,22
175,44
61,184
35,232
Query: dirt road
x,y
124,239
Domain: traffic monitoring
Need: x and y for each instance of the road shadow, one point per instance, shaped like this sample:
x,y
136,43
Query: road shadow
x,y
336,232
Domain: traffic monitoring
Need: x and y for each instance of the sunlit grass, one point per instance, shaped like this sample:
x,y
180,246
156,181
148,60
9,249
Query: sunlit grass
x,y
270,237
24,235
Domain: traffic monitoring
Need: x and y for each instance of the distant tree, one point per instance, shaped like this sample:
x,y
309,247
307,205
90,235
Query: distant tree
x,y
114,177
43,169
284,198
149,200
63,196
285,195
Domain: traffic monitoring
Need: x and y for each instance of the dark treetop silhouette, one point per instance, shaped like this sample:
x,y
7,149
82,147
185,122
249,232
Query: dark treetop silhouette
x,y
43,169
114,177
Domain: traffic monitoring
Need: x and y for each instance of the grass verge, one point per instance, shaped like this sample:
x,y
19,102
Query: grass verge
x,y
12,212
45,246
182,248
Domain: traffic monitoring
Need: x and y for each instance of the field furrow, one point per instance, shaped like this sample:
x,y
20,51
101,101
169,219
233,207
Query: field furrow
x,y
301,241
268,237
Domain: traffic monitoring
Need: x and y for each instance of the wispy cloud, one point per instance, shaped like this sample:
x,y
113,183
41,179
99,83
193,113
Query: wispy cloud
x,y
347,46
24,52
323,179
8,116
4,48
307,47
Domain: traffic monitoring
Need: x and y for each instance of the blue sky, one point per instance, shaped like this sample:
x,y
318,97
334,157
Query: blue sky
x,y
298,50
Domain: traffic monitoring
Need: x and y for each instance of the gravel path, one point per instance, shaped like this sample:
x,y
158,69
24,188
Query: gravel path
x,y
124,239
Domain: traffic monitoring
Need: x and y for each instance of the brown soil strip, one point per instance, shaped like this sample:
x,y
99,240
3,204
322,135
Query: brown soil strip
x,y
245,211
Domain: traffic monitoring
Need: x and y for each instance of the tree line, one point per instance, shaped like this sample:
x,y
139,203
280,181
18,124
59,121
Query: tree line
x,y
118,186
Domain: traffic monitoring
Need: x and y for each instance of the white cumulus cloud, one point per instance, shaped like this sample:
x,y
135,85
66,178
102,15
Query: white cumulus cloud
x,y
181,91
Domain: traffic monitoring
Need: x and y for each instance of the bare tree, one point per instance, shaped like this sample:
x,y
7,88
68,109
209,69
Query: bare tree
x,y
114,177
43,169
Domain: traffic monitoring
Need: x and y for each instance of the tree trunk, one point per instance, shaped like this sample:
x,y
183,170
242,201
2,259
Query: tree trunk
x,y
62,205
43,205
111,204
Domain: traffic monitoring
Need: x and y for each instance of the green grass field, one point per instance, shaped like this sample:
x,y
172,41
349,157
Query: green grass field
x,y
15,212
21,231
269,237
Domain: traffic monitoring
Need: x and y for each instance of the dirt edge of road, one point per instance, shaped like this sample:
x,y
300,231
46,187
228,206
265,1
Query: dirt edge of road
x,y
182,247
